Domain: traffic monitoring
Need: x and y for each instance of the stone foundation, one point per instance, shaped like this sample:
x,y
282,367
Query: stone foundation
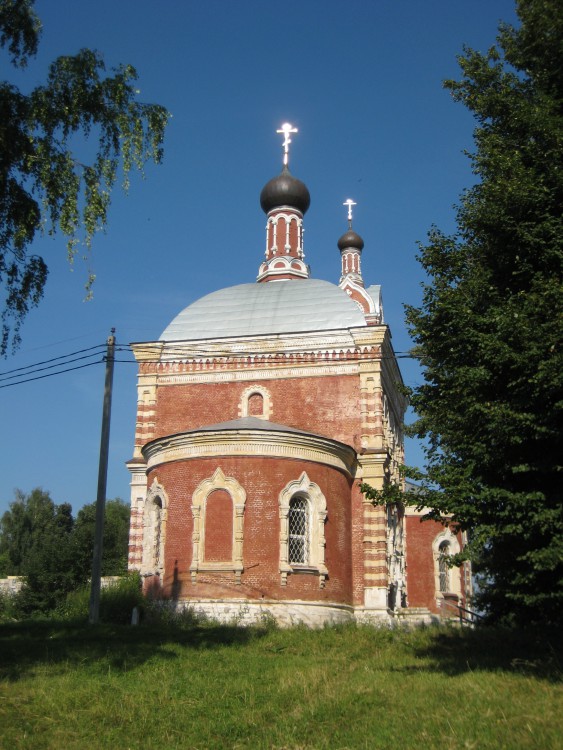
x,y
285,614
290,613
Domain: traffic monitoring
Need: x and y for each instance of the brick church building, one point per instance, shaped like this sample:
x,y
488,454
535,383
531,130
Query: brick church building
x,y
261,408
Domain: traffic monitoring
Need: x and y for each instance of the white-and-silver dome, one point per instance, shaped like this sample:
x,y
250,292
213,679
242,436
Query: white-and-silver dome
x,y
261,309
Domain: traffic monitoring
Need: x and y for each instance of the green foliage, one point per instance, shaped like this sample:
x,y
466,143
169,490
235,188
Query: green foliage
x,y
36,540
490,327
41,541
48,566
23,526
43,182
19,30
116,537
4,564
8,607
395,493
116,601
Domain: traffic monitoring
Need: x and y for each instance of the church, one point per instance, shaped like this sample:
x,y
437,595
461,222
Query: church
x,y
261,408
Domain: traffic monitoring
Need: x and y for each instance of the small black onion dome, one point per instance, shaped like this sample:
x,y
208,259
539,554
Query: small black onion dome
x,y
285,190
350,239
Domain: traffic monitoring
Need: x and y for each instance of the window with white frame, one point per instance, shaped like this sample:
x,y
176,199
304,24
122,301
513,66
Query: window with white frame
x,y
299,526
303,514
443,567
154,525
255,401
225,550
447,579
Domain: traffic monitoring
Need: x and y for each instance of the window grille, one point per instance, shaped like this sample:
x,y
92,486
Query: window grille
x,y
443,569
299,531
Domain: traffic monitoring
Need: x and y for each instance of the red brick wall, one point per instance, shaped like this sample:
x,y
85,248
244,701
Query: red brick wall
x,y
324,405
421,582
262,479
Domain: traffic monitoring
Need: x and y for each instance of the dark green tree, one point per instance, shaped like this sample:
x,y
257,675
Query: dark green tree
x,y
36,539
116,538
490,327
20,527
50,572
42,542
44,183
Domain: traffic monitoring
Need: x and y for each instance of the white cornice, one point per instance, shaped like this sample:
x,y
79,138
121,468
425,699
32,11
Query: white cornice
x,y
331,341
238,443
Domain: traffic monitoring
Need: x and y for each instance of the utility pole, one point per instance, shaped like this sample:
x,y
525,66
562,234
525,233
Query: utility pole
x,y
94,614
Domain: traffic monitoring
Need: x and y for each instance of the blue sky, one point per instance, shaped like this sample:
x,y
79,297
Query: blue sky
x,y
360,79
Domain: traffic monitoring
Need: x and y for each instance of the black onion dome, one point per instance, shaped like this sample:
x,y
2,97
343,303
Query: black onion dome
x,y
350,239
285,190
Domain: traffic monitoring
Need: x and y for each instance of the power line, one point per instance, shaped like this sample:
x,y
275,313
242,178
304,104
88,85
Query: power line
x,y
51,374
48,367
53,359
63,341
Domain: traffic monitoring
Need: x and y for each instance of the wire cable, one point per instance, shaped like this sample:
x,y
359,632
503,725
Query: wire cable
x,y
50,367
53,359
51,374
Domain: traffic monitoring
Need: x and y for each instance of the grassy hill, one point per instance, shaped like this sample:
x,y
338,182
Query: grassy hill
x,y
206,686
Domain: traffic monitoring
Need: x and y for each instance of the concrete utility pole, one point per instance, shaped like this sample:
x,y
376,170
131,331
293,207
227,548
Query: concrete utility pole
x,y
94,614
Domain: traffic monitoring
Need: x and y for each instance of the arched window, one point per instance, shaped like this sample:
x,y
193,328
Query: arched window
x,y
154,525
218,527
302,535
447,579
157,511
256,405
255,401
443,568
218,512
299,528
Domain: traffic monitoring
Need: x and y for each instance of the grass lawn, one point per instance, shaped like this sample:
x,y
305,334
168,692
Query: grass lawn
x,y
209,686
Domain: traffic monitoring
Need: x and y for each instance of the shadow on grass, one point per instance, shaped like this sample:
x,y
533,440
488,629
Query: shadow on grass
x,y
455,651
24,646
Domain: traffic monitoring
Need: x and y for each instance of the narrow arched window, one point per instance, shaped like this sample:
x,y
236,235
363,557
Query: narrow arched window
x,y
255,401
154,531
299,526
218,541
256,405
443,568
157,525
218,511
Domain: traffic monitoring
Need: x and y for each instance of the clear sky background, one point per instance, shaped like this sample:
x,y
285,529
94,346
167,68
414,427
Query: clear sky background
x,y
361,79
